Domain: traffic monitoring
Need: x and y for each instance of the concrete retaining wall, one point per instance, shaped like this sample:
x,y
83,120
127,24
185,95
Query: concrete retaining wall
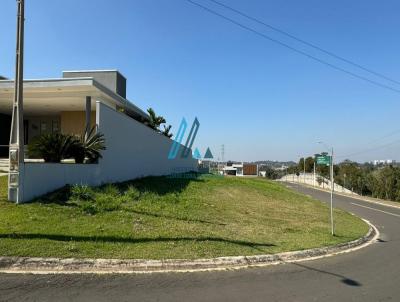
x,y
311,180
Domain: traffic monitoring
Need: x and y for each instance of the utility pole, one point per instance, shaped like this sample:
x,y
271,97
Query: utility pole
x,y
16,152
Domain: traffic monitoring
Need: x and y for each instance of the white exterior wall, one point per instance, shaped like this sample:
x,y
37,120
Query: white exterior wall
x,y
133,150
309,179
41,178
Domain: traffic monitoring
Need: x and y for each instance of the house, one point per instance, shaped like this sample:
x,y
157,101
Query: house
x,y
242,169
70,104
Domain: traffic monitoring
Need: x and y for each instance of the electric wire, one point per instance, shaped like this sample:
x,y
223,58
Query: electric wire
x,y
293,48
330,53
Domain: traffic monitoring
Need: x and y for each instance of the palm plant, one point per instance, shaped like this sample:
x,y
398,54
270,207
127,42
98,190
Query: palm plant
x,y
88,146
155,121
51,147
56,146
167,130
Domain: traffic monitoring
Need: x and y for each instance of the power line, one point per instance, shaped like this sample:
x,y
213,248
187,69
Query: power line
x,y
375,141
385,136
293,48
306,43
370,149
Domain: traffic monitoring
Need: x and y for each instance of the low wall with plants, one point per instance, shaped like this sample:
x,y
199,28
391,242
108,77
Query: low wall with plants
x,y
133,150
41,178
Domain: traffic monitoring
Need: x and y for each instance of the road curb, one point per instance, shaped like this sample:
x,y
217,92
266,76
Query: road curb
x,y
108,266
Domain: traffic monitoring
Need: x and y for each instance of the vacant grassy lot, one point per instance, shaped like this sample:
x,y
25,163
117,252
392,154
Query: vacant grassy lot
x,y
159,217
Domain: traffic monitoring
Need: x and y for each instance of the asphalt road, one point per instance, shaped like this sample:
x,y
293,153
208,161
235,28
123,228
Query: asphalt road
x,y
369,274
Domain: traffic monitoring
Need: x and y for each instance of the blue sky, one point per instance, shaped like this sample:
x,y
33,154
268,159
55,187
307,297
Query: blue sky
x,y
259,99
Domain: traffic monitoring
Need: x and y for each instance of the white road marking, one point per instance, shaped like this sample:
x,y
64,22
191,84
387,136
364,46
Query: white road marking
x,y
389,213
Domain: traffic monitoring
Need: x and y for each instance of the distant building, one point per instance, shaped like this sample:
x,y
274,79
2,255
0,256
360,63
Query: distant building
x,y
383,162
241,169
282,168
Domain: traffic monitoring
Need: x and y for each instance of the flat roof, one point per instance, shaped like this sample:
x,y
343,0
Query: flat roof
x,y
67,86
94,71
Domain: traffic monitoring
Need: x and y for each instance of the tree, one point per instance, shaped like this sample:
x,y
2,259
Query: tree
x,y
309,164
155,121
301,164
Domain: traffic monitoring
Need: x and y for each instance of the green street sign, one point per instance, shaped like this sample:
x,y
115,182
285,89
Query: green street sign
x,y
324,160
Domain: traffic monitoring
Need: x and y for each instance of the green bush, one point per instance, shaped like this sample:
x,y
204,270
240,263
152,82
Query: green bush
x,y
55,147
108,203
111,190
51,147
81,192
88,207
131,194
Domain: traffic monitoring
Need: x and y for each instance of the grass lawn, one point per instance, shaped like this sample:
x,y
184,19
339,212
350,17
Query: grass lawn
x,y
159,217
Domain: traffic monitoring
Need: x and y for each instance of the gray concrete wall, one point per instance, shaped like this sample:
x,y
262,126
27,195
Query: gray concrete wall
x,y
111,79
135,150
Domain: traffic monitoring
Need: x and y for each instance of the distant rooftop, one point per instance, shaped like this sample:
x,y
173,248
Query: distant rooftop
x,y
3,78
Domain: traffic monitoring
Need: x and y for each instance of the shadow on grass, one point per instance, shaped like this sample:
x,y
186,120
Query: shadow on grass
x,y
160,185
343,279
113,239
173,217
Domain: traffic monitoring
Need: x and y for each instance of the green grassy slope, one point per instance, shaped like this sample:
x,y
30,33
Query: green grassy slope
x,y
159,217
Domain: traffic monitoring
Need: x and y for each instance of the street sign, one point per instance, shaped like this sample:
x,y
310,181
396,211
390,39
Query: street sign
x,y
324,160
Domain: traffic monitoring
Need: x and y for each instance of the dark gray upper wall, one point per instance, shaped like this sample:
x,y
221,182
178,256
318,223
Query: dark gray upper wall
x,y
111,79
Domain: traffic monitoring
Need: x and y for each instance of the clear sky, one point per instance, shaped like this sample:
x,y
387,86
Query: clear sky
x,y
261,100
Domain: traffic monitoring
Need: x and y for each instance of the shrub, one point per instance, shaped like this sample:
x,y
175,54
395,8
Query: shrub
x,y
89,146
108,203
88,207
132,194
81,192
56,146
51,147
111,190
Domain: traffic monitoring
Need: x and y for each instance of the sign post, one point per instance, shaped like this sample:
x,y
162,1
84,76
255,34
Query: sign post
x,y
325,160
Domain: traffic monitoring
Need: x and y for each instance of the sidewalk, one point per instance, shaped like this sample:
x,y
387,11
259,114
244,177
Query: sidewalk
x,y
387,203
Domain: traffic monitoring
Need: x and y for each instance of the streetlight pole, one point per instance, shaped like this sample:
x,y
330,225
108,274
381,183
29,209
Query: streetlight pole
x,y
16,152
314,174
344,182
332,187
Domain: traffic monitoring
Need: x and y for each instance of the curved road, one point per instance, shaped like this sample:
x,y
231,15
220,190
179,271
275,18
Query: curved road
x,y
369,274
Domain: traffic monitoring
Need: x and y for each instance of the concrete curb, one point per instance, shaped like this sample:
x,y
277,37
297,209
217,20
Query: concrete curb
x,y
111,266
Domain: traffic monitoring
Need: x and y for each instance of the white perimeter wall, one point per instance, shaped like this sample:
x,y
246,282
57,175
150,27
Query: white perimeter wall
x,y
133,150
